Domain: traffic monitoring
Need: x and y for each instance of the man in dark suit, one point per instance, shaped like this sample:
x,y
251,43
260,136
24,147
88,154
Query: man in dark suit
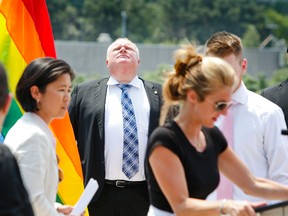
x,y
96,116
14,200
278,95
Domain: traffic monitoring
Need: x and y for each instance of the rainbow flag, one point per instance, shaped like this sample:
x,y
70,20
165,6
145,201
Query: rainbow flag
x,y
26,34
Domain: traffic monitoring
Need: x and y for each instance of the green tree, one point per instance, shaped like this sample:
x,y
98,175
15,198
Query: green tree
x,y
199,19
105,16
159,74
67,20
143,18
279,75
251,37
280,23
164,21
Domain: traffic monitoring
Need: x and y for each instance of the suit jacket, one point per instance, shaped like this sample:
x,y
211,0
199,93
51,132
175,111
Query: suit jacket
x,y
87,111
14,199
278,95
32,143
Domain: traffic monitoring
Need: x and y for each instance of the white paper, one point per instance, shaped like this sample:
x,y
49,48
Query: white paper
x,y
85,197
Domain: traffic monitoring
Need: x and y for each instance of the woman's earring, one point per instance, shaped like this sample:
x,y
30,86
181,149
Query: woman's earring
x,y
38,101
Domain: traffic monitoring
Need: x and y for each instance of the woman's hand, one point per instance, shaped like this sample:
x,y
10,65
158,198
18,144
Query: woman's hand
x,y
239,208
64,209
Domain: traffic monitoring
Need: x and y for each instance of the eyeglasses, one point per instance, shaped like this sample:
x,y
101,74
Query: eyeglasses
x,y
221,105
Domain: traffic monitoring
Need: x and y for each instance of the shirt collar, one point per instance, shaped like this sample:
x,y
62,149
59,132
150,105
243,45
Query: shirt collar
x,y
42,124
136,82
241,94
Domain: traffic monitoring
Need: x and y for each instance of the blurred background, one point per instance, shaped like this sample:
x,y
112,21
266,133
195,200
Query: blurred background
x,y
83,29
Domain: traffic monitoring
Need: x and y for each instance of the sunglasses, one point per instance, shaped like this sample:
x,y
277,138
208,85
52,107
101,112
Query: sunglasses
x,y
221,105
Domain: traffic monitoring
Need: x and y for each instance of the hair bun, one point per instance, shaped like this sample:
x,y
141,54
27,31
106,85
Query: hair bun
x,y
185,59
180,68
194,60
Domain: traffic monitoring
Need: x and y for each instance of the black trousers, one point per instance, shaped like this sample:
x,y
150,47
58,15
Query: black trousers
x,y
115,201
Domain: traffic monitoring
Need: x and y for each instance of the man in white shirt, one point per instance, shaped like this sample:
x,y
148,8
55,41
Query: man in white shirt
x,y
257,122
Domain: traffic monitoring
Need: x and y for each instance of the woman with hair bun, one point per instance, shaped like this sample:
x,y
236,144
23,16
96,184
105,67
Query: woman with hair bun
x,y
186,154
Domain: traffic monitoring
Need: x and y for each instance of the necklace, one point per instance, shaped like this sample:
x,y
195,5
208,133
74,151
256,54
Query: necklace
x,y
199,143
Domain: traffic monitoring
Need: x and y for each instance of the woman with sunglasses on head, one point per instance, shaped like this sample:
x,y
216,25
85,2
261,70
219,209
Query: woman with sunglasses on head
x,y
185,155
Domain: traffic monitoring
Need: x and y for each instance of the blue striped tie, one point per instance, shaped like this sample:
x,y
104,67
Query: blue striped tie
x,y
130,164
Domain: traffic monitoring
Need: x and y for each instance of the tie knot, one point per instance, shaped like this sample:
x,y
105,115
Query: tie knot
x,y
124,87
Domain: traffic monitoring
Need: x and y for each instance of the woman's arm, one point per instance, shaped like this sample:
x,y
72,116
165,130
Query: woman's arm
x,y
232,167
170,176
34,161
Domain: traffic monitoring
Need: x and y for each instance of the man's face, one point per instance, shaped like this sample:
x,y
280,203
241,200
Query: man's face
x,y
122,51
123,60
239,66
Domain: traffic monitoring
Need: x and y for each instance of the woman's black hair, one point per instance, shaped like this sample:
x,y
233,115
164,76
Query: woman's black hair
x,y
40,73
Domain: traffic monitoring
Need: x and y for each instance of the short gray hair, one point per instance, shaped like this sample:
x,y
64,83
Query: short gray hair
x,y
110,46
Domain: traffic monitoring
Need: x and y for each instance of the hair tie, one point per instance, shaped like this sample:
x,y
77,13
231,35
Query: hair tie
x,y
199,58
180,68
194,60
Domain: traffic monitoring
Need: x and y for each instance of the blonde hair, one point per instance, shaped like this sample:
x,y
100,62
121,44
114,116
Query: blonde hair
x,y
204,75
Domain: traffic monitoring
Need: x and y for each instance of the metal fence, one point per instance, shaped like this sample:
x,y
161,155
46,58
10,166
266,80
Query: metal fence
x,y
89,57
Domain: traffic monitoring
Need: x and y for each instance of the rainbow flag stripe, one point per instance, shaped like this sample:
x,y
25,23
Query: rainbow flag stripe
x,y
26,34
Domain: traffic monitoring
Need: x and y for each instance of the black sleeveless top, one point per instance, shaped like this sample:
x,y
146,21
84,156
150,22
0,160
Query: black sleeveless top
x,y
201,168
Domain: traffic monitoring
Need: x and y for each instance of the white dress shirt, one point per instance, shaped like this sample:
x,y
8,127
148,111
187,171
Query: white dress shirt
x,y
257,139
114,128
33,145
